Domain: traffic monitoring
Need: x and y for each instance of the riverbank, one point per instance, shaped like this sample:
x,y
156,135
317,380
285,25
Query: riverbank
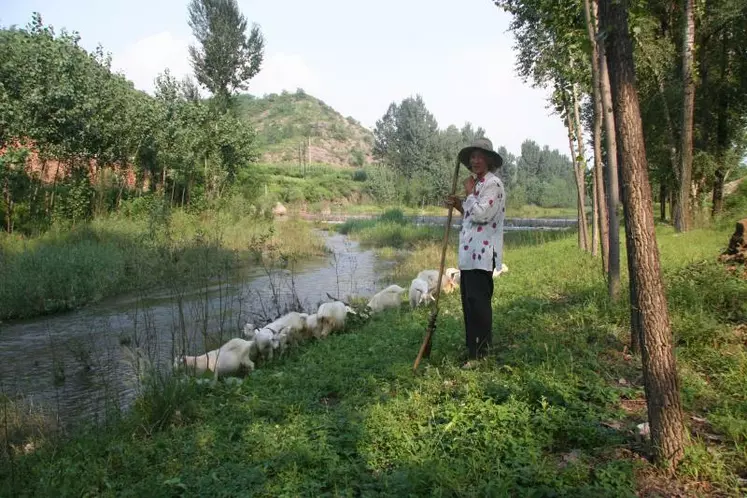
x,y
65,269
524,211
552,412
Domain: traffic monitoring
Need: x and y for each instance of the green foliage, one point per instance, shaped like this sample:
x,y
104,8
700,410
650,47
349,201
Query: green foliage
x,y
357,157
735,205
420,160
226,59
62,104
553,50
147,245
360,176
405,137
545,176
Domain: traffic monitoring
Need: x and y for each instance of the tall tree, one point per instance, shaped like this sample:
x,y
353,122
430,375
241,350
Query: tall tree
x,y
225,59
580,163
682,211
721,100
566,107
659,367
406,137
550,37
613,191
599,194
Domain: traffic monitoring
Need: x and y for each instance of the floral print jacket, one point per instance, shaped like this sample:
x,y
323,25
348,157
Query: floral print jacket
x,y
481,237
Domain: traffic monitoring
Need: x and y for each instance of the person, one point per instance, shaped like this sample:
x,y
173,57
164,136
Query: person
x,y
480,243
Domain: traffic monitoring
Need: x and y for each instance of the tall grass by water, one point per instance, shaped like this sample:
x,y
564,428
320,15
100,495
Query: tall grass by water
x,y
67,268
392,231
552,412
523,211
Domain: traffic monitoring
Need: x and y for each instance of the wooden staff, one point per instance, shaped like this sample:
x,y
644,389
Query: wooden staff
x,y
425,347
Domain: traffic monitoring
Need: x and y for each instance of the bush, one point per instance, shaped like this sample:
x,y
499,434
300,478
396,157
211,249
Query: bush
x,y
360,176
357,158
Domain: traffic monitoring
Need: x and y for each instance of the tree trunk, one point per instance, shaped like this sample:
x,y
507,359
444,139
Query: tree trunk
x,y
581,167
636,324
671,137
581,216
594,215
663,201
718,191
604,223
8,205
613,190
681,216
659,367
599,195
722,132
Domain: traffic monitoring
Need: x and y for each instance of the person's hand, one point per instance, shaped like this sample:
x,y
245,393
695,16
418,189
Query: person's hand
x,y
455,202
469,185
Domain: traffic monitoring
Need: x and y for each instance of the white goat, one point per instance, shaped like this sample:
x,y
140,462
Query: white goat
x,y
331,316
455,275
249,331
431,276
313,327
229,359
391,297
264,339
498,273
419,293
282,340
293,320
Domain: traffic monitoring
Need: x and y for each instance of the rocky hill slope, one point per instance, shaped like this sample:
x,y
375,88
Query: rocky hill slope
x,y
296,127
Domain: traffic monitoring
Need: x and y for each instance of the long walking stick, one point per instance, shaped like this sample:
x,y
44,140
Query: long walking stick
x,y
425,348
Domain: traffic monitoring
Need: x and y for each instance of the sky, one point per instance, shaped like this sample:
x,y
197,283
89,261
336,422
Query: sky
x,y
356,56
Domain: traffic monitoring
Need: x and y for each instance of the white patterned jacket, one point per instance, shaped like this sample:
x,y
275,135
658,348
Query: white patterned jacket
x,y
481,237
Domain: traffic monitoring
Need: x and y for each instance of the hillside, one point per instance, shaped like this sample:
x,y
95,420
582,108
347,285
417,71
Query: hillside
x,y
291,123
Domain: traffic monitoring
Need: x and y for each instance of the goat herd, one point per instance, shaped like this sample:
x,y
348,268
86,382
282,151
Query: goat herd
x,y
239,355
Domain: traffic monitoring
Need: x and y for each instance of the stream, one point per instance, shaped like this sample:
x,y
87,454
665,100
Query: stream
x,y
79,365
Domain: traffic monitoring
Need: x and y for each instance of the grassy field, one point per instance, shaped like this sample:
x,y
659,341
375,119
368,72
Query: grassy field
x,y
552,412
68,268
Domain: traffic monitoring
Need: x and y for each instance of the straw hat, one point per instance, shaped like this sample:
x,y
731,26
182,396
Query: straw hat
x,y
483,144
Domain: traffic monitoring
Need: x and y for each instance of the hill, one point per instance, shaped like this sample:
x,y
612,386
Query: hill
x,y
293,124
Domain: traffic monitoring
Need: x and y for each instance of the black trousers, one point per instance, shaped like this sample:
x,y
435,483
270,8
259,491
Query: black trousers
x,y
476,287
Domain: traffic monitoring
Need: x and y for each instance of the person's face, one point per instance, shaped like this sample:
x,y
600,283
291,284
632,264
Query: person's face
x,y
478,161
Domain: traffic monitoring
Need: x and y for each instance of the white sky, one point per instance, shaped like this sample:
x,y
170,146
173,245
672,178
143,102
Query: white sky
x,y
356,56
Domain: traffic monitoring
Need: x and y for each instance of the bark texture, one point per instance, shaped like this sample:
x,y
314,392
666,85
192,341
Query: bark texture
x,y
659,366
681,214
599,193
613,190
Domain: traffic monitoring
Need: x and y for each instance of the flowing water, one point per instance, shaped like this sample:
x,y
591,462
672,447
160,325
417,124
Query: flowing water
x,y
79,364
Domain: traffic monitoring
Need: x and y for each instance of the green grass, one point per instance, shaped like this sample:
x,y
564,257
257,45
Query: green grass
x,y
546,415
526,211
65,269
392,231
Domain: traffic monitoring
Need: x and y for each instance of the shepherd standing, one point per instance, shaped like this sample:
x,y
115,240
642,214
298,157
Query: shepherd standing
x,y
480,242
